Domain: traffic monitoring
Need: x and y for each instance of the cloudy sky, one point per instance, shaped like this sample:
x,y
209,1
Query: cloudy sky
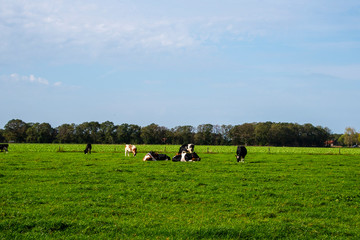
x,y
181,62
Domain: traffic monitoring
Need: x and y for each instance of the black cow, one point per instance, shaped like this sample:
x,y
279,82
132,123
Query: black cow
x,y
241,153
187,148
153,156
4,147
88,148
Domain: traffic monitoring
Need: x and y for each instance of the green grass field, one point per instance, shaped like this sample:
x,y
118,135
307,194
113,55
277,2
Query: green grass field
x,y
289,193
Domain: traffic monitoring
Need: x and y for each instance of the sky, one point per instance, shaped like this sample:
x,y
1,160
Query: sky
x,y
177,63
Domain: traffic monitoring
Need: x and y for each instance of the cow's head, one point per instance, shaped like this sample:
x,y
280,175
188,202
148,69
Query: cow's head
x,y
134,150
147,157
191,147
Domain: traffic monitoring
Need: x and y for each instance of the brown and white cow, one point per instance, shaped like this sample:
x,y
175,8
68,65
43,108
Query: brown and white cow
x,y
130,148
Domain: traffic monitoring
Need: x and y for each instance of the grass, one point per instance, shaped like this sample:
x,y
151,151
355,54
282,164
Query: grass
x,y
115,148
105,195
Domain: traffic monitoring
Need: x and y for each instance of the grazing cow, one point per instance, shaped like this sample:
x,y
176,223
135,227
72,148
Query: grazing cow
x,y
4,147
153,156
88,148
130,148
186,157
241,153
187,148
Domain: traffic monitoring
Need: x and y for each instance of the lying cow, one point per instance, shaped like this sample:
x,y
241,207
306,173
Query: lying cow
x,y
187,148
130,148
153,156
186,157
88,148
241,153
4,147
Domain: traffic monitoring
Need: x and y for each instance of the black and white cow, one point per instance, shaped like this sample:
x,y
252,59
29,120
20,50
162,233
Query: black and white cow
x,y
186,157
88,148
187,148
241,153
4,147
153,156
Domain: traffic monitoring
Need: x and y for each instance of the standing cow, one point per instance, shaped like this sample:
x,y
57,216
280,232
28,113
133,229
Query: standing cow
x,y
241,153
130,148
88,149
4,147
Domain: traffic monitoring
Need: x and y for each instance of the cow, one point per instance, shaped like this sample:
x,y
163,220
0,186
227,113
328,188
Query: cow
x,y
153,156
187,148
88,148
130,148
4,147
241,153
186,157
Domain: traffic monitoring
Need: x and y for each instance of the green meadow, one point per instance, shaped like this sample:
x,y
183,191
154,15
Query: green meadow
x,y
50,191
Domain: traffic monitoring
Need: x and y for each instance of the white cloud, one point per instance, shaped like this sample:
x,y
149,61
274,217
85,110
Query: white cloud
x,y
77,30
14,77
34,79
115,27
57,84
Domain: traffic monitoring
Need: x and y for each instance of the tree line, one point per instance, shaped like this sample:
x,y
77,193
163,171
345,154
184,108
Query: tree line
x,y
259,134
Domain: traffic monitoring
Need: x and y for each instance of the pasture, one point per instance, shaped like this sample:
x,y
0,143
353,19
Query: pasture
x,y
55,191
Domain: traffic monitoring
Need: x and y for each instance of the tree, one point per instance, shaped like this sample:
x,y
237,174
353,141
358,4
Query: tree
x,y
2,136
15,130
350,136
262,133
46,134
153,134
135,133
243,134
225,131
123,133
88,132
203,136
31,133
216,136
183,134
280,135
40,133
66,133
313,136
126,133
107,132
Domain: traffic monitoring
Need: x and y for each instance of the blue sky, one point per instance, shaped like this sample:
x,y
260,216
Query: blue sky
x,y
181,62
